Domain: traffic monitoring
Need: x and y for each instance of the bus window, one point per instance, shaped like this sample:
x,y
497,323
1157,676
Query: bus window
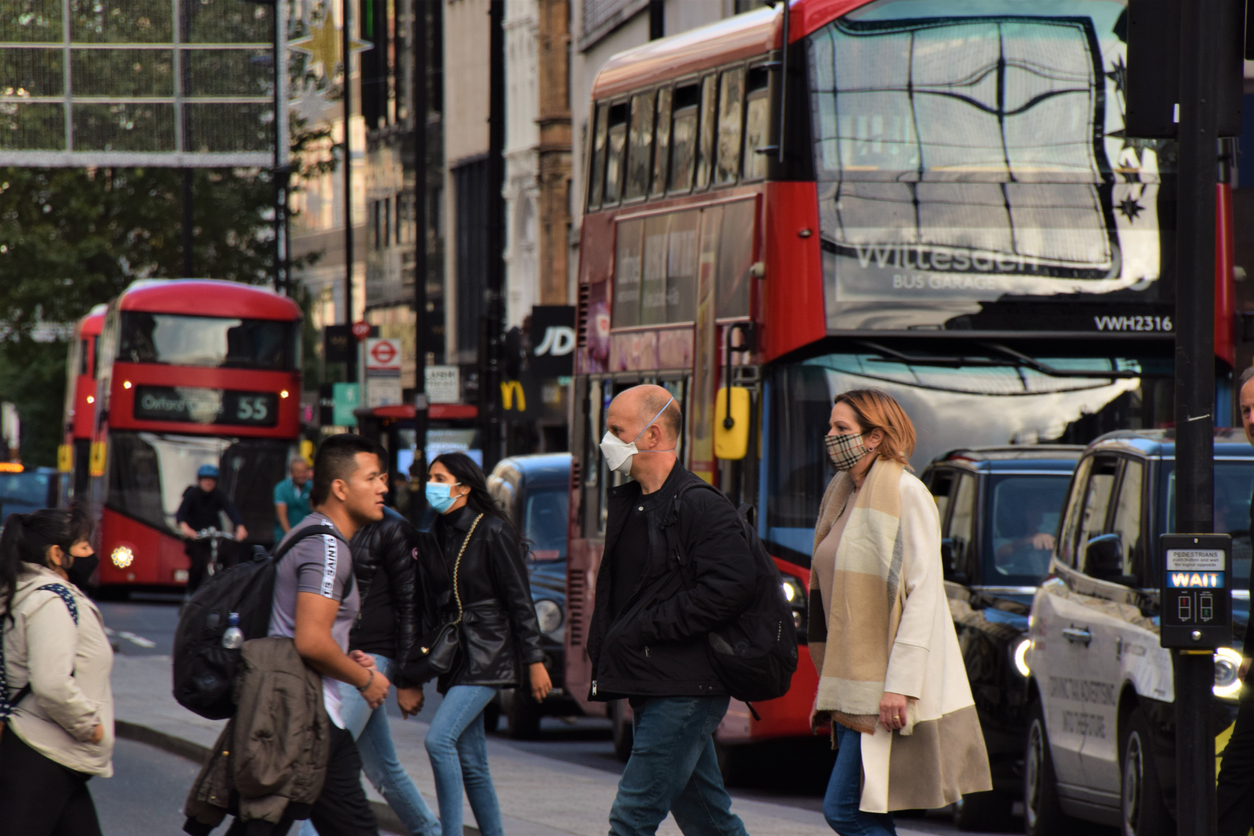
x,y
639,141
708,116
684,138
627,274
757,122
82,357
597,176
653,287
681,268
730,97
735,257
662,143
616,145
210,341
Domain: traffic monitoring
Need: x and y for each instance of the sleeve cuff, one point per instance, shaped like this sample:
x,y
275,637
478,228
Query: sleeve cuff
x,y
906,666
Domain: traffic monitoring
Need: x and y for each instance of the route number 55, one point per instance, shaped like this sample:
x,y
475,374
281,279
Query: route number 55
x,y
252,408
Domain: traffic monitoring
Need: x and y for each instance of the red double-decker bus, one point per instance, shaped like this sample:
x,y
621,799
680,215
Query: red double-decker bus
x,y
955,217
191,372
80,405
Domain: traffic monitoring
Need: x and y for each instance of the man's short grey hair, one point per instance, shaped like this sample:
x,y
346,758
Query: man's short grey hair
x,y
1246,377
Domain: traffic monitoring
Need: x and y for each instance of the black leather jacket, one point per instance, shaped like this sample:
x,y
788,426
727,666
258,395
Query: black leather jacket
x,y
388,624
499,629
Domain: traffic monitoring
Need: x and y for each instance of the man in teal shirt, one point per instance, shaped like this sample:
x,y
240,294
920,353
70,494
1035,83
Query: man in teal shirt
x,y
291,498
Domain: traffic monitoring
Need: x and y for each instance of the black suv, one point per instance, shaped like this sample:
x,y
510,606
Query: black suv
x,y
999,510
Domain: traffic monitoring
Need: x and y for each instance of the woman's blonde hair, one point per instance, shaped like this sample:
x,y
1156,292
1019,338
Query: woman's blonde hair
x,y
875,409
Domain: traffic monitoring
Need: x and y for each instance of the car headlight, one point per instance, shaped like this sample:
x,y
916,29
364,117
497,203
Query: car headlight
x,y
1227,665
795,595
549,614
122,557
1021,658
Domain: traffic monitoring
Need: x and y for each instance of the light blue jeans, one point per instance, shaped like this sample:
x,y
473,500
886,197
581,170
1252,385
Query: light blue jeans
x,y
459,758
843,800
378,760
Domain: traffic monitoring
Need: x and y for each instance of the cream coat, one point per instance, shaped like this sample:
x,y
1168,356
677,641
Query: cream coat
x,y
940,755
68,669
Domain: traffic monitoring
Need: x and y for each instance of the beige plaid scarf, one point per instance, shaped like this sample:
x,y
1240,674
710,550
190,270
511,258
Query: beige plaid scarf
x,y
865,604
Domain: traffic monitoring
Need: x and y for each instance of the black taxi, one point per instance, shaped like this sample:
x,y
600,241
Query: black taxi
x,y
1100,745
999,510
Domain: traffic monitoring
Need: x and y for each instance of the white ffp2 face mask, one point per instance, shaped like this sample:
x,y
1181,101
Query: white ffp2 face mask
x,y
618,453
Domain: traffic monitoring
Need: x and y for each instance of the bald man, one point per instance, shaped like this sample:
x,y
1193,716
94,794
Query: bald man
x,y
653,614
1235,790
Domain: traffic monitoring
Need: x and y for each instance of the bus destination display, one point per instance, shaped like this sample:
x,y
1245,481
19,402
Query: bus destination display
x,y
1196,590
193,405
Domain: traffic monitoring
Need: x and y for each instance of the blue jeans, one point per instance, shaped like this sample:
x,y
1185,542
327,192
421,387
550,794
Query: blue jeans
x,y
844,792
673,769
379,761
459,758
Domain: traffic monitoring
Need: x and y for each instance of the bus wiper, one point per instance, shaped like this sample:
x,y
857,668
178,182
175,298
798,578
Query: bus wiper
x,y
1014,359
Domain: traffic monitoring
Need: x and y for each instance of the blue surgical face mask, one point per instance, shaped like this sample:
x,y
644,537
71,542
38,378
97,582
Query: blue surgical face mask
x,y
439,498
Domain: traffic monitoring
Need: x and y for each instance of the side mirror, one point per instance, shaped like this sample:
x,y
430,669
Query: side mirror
x,y
1103,558
949,562
731,423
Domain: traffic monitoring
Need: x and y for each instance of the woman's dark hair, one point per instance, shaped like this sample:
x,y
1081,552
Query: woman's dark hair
x,y
463,469
27,539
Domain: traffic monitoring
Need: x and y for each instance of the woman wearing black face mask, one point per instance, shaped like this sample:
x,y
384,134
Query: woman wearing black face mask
x,y
56,706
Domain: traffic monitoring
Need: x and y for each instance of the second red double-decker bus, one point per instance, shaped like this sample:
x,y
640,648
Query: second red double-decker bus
x,y
192,372
80,405
955,217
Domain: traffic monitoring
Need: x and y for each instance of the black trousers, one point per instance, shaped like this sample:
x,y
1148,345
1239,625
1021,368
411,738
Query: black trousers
x,y
342,808
40,797
1235,793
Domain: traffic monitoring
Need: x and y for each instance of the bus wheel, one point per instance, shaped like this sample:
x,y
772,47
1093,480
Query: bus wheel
x,y
1042,814
1141,805
621,730
983,811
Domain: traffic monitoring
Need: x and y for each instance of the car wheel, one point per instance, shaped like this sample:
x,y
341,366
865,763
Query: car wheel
x,y
492,714
1141,805
1042,814
983,811
621,730
523,717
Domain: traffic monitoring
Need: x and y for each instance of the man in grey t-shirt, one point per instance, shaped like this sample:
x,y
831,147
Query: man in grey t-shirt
x,y
316,602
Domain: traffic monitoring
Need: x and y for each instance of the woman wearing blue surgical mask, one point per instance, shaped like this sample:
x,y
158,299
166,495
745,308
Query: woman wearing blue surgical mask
x,y
476,569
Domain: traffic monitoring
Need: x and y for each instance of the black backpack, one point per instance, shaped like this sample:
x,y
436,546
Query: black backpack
x,y
754,655
204,670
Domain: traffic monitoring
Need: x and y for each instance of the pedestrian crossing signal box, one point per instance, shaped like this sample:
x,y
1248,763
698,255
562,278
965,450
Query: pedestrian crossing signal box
x,y
1196,589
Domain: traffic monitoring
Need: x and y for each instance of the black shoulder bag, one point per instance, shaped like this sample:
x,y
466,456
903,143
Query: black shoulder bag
x,y
439,649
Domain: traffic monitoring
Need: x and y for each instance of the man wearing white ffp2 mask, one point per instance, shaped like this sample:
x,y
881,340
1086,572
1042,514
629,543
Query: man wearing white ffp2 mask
x,y
619,454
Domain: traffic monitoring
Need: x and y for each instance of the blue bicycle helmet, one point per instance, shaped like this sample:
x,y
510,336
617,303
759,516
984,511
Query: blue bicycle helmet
x,y
207,471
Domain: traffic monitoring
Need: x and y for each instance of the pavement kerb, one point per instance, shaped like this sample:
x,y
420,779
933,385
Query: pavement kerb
x,y
197,753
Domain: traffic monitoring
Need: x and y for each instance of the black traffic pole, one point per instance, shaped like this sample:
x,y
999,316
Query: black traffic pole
x,y
346,50
1195,386
421,80
494,315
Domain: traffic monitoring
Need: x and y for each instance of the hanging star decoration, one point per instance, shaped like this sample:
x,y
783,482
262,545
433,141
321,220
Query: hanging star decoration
x,y
1119,75
323,47
310,102
1130,208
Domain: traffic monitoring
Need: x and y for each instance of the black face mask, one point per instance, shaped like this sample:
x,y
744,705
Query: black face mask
x,y
81,570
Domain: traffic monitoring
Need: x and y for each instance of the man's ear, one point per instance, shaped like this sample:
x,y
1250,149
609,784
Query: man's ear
x,y
339,489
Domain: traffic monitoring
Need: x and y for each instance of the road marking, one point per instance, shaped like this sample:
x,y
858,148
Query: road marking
x,y
137,640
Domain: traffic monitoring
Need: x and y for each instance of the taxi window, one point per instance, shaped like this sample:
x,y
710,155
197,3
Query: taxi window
x,y
1071,523
961,529
1097,498
1128,519
942,483
1025,510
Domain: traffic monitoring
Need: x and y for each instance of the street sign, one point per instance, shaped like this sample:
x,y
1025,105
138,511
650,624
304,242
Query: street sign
x,y
383,372
444,384
1196,590
337,344
347,398
361,330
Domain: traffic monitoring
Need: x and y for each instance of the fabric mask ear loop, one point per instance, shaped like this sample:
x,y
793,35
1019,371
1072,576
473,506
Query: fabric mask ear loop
x,y
651,422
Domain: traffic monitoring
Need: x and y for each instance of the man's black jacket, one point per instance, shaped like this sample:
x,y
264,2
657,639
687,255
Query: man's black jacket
x,y
499,628
657,647
201,510
388,622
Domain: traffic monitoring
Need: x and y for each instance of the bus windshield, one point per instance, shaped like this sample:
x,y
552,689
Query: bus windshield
x,y
159,467
969,151
965,401
214,342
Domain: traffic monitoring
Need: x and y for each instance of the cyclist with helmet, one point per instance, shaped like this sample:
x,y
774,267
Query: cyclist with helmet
x,y
202,507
